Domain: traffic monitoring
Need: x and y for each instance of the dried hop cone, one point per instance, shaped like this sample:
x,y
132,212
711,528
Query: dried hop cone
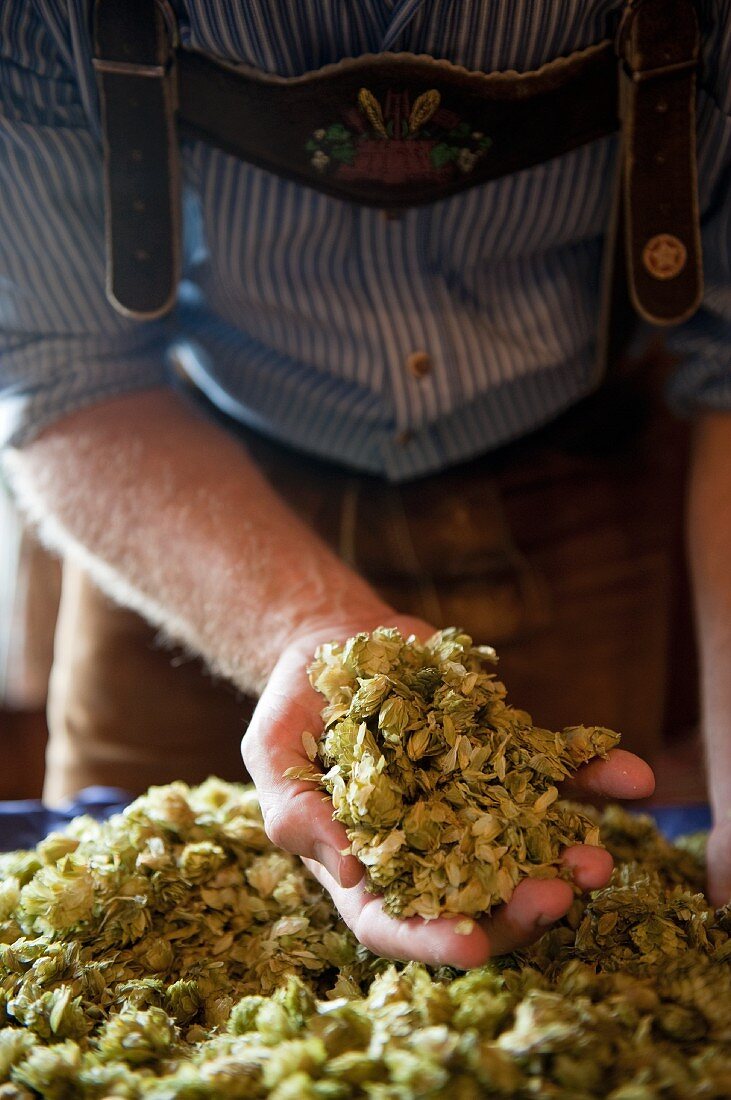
x,y
175,953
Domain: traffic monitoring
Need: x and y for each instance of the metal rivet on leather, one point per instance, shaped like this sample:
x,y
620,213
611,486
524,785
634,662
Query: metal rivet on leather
x,y
664,256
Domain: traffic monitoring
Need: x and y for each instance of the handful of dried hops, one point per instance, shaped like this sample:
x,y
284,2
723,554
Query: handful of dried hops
x,y
172,954
448,794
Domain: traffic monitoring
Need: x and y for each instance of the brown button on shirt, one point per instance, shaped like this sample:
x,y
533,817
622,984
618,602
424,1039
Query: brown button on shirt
x,y
419,364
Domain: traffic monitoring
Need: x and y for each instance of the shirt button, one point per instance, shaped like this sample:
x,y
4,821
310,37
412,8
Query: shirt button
x,y
403,438
419,364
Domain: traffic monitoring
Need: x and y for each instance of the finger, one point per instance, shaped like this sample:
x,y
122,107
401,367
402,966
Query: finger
x,y
436,943
719,886
621,775
719,865
591,867
534,906
297,815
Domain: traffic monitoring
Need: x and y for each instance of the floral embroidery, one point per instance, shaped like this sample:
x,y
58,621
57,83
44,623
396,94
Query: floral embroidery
x,y
397,141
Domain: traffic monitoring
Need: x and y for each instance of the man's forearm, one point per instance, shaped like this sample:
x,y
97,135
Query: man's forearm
x,y
172,515
709,534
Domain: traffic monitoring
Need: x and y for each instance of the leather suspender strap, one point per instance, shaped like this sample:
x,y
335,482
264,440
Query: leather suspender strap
x,y
134,47
658,46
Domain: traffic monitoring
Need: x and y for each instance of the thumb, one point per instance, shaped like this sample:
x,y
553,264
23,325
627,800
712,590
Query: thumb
x,y
719,865
297,815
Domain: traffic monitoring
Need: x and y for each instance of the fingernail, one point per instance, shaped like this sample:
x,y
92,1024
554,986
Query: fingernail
x,y
544,921
329,857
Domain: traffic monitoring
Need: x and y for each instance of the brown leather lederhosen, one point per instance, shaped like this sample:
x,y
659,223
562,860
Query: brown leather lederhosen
x,y
377,130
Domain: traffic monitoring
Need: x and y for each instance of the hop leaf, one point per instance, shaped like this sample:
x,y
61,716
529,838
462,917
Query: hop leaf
x,y
138,1038
58,897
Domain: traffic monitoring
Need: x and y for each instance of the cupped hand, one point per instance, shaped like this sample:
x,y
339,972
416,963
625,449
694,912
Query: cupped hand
x,y
298,819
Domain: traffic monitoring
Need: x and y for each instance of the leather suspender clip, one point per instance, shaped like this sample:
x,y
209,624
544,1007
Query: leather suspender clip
x,y
135,59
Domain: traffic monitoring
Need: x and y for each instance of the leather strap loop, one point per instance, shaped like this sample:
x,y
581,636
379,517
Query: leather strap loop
x,y
658,46
134,47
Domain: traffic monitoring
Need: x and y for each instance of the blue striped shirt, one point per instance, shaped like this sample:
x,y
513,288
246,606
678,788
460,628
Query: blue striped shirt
x,y
299,312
